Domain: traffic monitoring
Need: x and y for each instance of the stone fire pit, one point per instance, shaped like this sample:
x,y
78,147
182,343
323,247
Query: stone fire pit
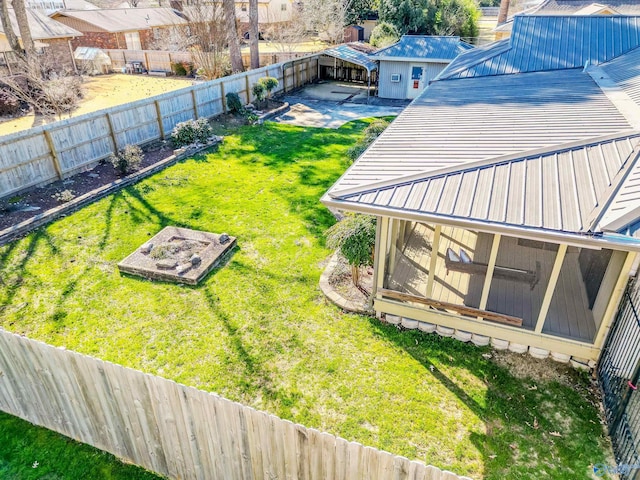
x,y
179,255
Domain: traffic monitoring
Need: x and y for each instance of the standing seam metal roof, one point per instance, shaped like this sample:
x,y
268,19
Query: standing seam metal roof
x,y
562,189
348,54
126,19
540,43
425,46
455,122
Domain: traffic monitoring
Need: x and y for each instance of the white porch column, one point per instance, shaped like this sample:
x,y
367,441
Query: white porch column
x,y
435,246
616,295
551,287
382,251
490,268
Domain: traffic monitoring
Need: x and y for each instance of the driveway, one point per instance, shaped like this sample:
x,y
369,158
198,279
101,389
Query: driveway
x,y
332,104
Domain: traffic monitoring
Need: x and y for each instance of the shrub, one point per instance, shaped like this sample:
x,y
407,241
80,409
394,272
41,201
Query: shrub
x,y
179,69
234,104
9,103
369,134
383,35
64,196
259,91
191,131
269,84
127,160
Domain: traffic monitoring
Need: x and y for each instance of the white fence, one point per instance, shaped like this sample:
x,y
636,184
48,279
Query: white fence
x,y
57,150
161,61
174,430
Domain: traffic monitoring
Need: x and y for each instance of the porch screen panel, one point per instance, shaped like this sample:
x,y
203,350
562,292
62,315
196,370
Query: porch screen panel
x,y
584,287
520,278
408,256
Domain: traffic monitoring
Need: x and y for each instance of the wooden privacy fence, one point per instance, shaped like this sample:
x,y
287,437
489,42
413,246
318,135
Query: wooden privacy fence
x,y
174,430
161,61
50,152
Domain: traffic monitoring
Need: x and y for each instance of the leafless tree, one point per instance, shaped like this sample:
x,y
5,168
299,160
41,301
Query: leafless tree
x,y
285,36
254,34
23,26
12,38
229,8
327,17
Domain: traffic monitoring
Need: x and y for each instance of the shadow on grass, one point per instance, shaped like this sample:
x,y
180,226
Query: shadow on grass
x,y
534,429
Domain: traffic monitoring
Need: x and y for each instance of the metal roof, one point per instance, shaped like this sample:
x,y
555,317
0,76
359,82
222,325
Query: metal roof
x,y
348,54
566,189
566,7
126,19
455,122
540,43
424,46
625,71
42,27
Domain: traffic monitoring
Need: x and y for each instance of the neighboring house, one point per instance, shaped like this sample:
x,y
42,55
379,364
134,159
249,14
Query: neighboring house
x,y
269,11
53,40
407,66
572,7
508,193
49,6
122,28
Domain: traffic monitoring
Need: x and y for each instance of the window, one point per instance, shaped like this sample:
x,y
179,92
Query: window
x,y
416,73
243,8
283,7
133,41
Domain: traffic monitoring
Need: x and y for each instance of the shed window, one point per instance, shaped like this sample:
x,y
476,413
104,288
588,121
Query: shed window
x,y
416,73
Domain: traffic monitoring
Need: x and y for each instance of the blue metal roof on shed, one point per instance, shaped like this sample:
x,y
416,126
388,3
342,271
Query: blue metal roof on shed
x,y
425,46
541,43
348,54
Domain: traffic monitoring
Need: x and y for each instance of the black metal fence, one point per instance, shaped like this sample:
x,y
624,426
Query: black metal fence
x,y
619,374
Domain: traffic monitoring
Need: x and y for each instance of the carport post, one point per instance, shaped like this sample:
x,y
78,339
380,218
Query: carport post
x,y
368,85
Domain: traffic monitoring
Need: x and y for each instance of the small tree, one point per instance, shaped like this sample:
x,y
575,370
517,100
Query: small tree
x,y
259,91
269,84
355,237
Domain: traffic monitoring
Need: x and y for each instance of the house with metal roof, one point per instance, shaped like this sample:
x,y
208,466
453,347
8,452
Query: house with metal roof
x,y
408,65
572,7
507,195
121,28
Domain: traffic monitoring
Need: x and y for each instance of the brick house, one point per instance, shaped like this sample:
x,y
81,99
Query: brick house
x,y
121,28
52,39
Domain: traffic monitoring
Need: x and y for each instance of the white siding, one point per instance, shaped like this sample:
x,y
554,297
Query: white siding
x,y
386,89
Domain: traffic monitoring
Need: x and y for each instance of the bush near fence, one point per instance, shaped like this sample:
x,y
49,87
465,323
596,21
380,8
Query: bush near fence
x,y
174,430
58,150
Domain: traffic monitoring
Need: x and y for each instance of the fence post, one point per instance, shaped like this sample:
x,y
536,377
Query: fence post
x,y
246,81
146,61
223,97
54,154
112,132
195,103
160,124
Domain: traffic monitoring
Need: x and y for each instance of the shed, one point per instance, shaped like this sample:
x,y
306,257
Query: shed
x,y
407,66
354,33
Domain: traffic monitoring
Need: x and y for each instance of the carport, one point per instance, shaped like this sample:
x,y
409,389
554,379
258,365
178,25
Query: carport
x,y
345,63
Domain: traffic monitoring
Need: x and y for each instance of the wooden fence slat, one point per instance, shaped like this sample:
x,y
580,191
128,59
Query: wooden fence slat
x,y
370,464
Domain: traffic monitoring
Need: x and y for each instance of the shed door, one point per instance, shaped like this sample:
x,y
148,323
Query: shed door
x,y
416,80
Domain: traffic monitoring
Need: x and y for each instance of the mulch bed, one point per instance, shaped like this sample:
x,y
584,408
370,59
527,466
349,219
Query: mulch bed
x,y
34,201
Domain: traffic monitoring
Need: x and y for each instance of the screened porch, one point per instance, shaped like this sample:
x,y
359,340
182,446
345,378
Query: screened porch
x,y
536,286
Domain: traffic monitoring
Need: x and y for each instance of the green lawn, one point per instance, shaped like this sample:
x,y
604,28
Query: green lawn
x,y
259,331
32,453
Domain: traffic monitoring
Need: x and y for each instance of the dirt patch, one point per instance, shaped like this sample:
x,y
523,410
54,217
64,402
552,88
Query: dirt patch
x,y
341,281
103,91
526,367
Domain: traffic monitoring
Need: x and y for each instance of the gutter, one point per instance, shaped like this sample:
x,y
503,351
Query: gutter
x,y
576,239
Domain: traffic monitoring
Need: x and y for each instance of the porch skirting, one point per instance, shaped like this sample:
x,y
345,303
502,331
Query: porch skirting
x,y
482,340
